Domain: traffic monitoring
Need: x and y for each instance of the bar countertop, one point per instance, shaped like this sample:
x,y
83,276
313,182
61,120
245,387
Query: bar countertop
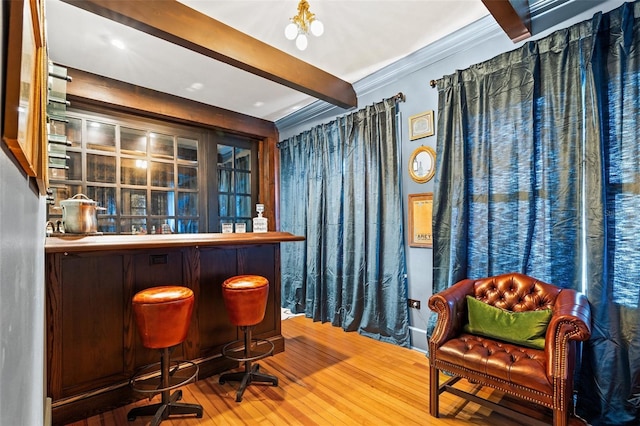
x,y
82,243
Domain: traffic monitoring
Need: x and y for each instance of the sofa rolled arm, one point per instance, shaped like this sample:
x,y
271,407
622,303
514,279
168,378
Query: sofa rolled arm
x,y
451,307
570,320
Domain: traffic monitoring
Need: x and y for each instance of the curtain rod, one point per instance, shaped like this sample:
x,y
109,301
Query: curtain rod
x,y
433,83
400,97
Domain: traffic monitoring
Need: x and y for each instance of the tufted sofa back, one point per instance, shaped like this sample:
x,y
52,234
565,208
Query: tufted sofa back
x,y
516,292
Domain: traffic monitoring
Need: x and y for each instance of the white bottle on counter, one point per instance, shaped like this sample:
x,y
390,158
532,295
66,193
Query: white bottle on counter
x,y
260,223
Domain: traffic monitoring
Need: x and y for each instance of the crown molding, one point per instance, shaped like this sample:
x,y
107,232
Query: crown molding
x,y
474,34
545,14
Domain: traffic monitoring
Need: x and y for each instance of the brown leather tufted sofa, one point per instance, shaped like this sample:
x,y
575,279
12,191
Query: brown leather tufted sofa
x,y
543,377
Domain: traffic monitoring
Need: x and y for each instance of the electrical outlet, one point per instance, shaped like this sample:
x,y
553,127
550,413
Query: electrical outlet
x,y
413,303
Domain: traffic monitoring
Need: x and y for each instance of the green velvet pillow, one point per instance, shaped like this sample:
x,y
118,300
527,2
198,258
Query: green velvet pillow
x,y
520,328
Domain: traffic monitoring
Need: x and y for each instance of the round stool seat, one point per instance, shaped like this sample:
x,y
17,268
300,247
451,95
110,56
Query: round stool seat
x,y
245,297
163,315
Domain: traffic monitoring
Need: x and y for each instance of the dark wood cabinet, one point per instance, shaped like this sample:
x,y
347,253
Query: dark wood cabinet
x,y
92,344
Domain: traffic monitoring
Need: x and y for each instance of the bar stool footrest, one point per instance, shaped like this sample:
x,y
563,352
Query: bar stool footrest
x,y
231,349
147,379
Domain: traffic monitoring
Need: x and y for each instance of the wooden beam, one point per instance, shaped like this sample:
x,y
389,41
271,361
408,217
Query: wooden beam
x,y
94,89
176,23
513,16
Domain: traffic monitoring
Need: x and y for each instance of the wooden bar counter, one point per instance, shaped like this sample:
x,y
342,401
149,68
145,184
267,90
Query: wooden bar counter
x,y
92,343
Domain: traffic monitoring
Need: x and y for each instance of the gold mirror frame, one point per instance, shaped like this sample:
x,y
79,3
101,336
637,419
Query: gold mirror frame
x,y
422,164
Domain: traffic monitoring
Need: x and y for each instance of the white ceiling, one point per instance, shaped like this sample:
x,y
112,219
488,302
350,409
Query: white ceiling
x,y
360,37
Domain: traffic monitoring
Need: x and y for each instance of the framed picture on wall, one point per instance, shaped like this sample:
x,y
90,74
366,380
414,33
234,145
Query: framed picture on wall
x,y
24,104
420,214
421,125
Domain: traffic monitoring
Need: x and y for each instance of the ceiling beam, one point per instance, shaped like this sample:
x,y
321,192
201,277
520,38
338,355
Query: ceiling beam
x,y
513,16
176,23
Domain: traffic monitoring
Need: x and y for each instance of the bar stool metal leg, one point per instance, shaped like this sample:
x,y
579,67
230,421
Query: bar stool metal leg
x,y
250,373
169,405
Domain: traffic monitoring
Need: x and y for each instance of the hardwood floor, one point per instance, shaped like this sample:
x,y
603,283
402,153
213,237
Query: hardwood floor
x,y
327,377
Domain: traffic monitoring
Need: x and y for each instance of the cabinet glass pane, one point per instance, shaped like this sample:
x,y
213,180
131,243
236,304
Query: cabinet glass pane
x,y
188,226
187,204
133,172
243,159
243,183
243,206
223,205
224,180
187,149
107,225
162,174
75,166
133,226
101,136
134,202
161,145
104,197
156,226
74,131
187,177
162,203
133,141
225,156
100,168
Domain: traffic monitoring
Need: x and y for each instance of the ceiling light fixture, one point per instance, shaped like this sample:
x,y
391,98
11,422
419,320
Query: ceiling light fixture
x,y
301,24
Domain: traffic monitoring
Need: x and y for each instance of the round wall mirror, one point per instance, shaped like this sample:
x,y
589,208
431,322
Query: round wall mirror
x,y
422,164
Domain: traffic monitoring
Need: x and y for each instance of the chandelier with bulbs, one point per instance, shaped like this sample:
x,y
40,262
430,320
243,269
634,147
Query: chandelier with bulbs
x,y
301,24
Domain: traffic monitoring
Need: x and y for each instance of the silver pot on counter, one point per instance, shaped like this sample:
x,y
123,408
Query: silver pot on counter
x,y
79,215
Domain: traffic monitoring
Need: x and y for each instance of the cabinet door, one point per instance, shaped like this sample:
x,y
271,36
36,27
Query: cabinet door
x,y
92,322
216,265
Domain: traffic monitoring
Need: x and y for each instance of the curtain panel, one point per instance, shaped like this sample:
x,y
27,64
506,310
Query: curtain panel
x,y
340,187
510,166
538,171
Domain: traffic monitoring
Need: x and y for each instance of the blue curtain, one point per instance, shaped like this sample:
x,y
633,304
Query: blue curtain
x,y
611,376
509,164
340,189
538,171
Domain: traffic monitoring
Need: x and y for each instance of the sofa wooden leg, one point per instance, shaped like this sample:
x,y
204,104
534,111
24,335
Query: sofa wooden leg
x,y
434,390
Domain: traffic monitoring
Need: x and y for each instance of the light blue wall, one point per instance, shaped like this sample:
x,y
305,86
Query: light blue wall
x,y
22,234
478,42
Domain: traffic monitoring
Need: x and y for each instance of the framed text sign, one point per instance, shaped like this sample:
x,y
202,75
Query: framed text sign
x,y
420,214
421,125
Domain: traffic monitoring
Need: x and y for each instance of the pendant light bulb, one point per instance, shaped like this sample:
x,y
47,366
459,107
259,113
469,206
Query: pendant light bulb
x,y
303,23
301,42
291,31
317,28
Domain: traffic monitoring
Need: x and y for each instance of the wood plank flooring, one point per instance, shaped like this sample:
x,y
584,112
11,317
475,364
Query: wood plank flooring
x,y
327,377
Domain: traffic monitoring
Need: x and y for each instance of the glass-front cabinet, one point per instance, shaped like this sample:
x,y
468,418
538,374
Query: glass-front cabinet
x,y
153,177
234,185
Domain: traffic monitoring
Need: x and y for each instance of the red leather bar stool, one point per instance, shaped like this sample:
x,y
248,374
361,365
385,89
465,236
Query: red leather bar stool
x,y
162,316
245,298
